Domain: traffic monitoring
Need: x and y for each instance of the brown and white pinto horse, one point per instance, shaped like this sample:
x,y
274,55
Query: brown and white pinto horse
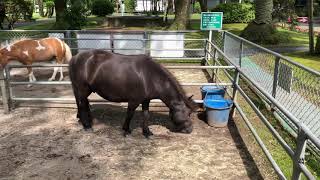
x,y
28,51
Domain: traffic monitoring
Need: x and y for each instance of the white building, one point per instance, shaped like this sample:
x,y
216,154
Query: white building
x,y
145,5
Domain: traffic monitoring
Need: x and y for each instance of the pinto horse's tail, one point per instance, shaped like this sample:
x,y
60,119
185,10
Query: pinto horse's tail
x,y
68,53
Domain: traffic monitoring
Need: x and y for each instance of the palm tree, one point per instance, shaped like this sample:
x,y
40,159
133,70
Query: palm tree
x,y
181,14
260,29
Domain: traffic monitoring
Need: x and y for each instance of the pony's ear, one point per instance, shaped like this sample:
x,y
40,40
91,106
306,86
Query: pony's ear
x,y
192,104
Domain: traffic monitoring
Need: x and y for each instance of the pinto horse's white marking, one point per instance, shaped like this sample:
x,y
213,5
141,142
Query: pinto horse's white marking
x,y
8,48
55,70
61,43
26,53
40,47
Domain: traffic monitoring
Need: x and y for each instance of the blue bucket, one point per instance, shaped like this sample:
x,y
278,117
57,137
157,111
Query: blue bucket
x,y
218,111
212,91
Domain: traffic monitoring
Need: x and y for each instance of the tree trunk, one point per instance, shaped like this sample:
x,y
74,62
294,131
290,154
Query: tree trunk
x,y
40,3
203,5
260,30
60,7
263,11
170,7
181,15
165,10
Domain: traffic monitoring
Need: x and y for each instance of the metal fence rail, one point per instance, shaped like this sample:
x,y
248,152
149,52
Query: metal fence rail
x,y
263,68
158,44
215,55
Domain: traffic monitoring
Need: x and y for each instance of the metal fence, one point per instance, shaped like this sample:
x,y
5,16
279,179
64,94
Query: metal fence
x,y
291,89
161,45
294,86
245,61
158,44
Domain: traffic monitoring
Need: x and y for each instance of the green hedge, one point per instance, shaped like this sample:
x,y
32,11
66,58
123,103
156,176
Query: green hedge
x,y
236,12
102,7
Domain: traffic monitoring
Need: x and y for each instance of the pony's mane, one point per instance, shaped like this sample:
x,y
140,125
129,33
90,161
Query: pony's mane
x,y
190,104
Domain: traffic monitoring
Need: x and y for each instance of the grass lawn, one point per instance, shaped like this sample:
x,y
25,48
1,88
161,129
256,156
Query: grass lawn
x,y
312,61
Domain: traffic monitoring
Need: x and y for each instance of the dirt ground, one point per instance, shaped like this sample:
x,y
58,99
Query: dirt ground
x,y
48,143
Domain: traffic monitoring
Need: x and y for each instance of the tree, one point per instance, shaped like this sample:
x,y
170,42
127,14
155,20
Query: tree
x,y
60,7
203,5
40,4
50,8
2,13
260,30
182,14
17,9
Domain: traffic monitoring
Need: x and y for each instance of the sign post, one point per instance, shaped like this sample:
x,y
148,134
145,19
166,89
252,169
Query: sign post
x,y
211,21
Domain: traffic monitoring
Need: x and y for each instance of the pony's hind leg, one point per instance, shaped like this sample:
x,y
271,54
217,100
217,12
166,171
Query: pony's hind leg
x,y
61,74
55,70
130,112
84,113
145,129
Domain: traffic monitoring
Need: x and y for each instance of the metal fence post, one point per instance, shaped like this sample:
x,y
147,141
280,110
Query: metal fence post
x,y
145,43
112,42
68,36
205,53
299,155
214,71
275,79
223,40
5,91
234,92
240,53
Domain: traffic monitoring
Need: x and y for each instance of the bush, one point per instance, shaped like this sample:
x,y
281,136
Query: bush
x,y
102,7
130,6
236,12
197,7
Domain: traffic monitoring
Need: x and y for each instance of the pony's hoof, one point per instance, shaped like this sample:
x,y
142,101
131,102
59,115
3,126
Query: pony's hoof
x,y
147,133
126,133
88,130
61,79
50,79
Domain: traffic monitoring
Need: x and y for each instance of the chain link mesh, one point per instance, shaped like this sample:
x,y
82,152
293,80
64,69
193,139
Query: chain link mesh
x,y
157,44
297,89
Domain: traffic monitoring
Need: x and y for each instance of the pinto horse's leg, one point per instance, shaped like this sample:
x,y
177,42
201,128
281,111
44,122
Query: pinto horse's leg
x,y
61,74
145,129
130,112
55,70
31,76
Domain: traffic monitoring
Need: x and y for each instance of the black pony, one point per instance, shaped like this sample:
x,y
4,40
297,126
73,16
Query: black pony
x,y
135,79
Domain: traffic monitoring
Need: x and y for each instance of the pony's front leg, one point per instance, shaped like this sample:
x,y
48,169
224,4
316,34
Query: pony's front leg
x,y
130,112
32,78
145,129
55,70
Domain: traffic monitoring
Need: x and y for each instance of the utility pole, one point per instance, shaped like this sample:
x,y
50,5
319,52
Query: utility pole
x,y
310,21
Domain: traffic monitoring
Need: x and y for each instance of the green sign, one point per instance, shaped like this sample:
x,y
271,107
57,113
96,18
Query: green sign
x,y
211,20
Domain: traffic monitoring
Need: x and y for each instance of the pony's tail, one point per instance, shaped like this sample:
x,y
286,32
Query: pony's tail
x,y
68,53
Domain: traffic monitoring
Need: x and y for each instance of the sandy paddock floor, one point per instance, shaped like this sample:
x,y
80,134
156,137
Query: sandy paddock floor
x,y
48,143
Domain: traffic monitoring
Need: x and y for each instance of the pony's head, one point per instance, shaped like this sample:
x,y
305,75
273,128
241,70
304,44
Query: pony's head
x,y
180,115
